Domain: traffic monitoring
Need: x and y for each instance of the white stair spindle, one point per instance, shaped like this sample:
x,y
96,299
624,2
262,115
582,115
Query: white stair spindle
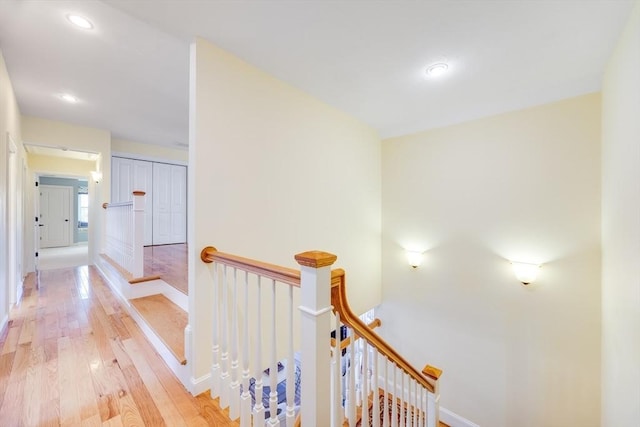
x,y
352,400
245,399
215,308
273,370
365,382
394,404
375,390
290,415
337,414
387,386
225,378
234,403
258,410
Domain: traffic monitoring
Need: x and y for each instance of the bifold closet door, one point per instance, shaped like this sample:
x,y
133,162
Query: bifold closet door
x,y
143,181
169,204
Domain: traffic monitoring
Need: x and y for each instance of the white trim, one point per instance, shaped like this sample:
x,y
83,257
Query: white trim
x,y
455,420
133,156
200,385
313,312
4,324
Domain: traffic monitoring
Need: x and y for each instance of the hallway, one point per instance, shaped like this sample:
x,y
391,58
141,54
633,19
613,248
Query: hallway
x,y
73,356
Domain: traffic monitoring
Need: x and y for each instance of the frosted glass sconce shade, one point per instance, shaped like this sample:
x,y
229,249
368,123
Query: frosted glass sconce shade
x,y
414,258
525,272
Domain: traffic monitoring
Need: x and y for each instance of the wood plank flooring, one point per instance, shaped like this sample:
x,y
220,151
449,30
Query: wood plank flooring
x,y
170,263
72,356
166,319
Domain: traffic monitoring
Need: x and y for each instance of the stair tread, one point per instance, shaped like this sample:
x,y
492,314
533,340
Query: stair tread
x,y
166,319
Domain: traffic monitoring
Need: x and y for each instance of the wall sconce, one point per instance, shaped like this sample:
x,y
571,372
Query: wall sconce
x,y
414,258
96,176
526,273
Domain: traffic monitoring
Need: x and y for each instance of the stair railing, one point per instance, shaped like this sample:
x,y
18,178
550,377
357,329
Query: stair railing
x,y
254,341
124,234
371,382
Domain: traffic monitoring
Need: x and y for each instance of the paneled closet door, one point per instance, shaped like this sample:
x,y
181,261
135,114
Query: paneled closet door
x,y
143,181
169,204
121,179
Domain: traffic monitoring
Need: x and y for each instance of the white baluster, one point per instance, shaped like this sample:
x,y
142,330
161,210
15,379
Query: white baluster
x,y
387,380
290,366
234,403
365,383
375,390
273,371
337,414
245,399
258,410
352,400
215,308
394,403
225,378
403,399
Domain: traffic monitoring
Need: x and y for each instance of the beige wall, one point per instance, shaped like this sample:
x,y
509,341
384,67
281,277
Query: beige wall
x,y
148,151
522,186
47,165
621,231
276,172
9,125
59,134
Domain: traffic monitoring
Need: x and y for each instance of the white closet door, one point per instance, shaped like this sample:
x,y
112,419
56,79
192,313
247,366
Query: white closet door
x,y
143,181
178,204
122,176
169,204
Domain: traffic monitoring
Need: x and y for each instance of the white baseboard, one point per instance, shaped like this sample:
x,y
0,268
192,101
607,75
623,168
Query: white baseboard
x,y
455,420
3,324
200,385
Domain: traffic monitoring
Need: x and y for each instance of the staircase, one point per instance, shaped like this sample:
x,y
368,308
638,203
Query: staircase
x,y
357,381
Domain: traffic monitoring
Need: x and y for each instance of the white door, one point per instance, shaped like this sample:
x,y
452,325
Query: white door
x,y
143,181
121,179
169,204
56,216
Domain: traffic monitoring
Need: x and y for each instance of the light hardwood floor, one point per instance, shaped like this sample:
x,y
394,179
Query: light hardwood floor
x,y
72,356
170,263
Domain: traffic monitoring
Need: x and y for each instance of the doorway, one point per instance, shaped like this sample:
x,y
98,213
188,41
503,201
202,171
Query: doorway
x,y
55,218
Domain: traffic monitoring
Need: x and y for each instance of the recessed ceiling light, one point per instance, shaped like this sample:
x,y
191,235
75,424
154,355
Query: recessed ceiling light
x,y
436,70
80,21
69,98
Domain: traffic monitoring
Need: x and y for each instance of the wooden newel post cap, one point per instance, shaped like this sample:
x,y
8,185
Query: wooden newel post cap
x,y
139,193
432,372
206,255
104,205
316,259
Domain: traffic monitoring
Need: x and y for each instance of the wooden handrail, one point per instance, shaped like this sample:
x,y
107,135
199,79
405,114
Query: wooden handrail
x,y
347,341
341,306
281,274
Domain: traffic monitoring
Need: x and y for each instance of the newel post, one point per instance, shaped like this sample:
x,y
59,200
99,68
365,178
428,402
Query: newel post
x,y
138,234
315,326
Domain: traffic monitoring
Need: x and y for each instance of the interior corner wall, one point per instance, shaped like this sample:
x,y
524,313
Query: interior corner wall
x,y
522,186
52,133
9,124
621,231
274,172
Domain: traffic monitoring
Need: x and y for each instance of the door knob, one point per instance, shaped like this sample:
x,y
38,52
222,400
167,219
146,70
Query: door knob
x,y
66,220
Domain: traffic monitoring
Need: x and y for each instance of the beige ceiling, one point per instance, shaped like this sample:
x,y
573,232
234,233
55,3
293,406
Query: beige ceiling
x,y
366,58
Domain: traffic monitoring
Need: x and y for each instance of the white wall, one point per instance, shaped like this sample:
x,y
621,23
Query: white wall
x,y
274,172
621,231
59,134
9,124
148,151
522,186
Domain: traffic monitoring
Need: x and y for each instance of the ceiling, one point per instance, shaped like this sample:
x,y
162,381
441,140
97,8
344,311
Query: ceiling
x,y
64,152
131,72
